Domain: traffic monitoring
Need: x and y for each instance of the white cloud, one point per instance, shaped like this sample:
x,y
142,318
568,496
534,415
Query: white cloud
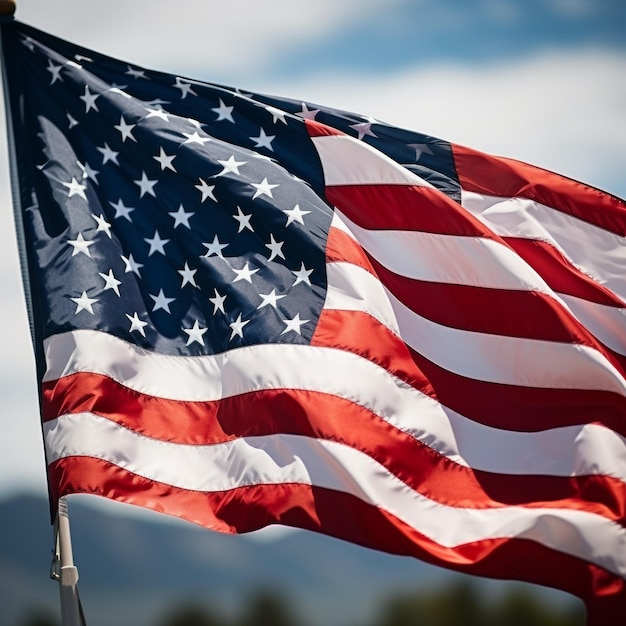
x,y
215,36
574,9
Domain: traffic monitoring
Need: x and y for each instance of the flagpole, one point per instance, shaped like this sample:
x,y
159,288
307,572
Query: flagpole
x,y
64,571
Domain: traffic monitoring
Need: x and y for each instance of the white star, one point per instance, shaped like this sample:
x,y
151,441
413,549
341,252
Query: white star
x,y
185,88
195,138
120,92
275,248
161,301
294,324
71,121
295,215
164,160
224,112
108,154
75,188
230,166
29,43
195,334
276,114
244,220
110,282
136,323
88,172
302,275
263,188
245,273
306,113
55,70
363,129
188,276
80,245
263,140
420,149
125,129
135,73
158,112
156,244
181,217
270,299
218,302
90,100
131,265
103,225
214,248
146,185
237,327
121,210
206,190
84,303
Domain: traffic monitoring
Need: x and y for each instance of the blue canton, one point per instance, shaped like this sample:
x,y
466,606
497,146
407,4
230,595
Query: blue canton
x,y
186,217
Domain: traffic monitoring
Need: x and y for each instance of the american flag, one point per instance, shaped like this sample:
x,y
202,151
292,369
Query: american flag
x,y
250,310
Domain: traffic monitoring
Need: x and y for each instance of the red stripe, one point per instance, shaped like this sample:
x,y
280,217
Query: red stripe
x,y
317,129
496,176
560,274
402,207
359,333
522,314
319,415
341,247
524,409
343,516
526,314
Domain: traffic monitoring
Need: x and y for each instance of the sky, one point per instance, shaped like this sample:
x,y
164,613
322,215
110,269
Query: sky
x,y
537,80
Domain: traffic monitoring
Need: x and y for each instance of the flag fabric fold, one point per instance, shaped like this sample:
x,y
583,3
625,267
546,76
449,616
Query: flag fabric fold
x,y
251,310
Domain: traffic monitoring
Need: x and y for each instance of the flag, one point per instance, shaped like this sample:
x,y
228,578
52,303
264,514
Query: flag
x,y
250,310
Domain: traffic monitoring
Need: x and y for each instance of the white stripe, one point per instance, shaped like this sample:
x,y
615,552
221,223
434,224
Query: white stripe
x,y
449,259
348,161
606,323
597,252
348,376
339,224
507,360
282,459
480,356
581,450
469,443
352,288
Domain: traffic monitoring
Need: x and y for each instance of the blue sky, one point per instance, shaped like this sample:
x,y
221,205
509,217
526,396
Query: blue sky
x,y
538,80
418,33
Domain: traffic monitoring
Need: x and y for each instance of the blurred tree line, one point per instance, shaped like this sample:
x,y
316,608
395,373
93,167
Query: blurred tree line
x,y
458,605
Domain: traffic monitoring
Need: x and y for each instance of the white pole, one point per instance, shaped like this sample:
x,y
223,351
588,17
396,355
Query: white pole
x,y
65,571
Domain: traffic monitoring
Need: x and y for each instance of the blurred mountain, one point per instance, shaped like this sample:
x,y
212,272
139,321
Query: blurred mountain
x,y
133,569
